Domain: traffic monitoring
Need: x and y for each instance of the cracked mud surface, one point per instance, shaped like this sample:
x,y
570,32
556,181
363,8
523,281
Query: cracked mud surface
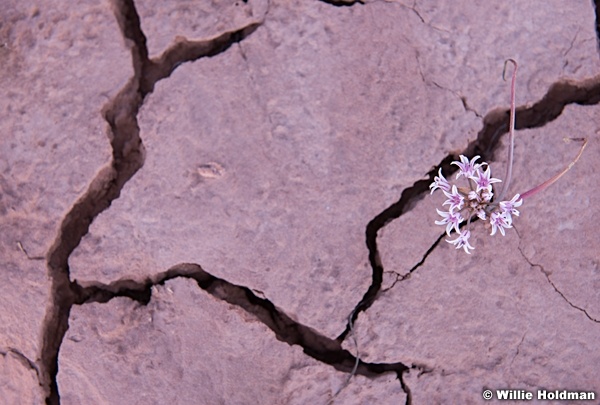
x,y
195,197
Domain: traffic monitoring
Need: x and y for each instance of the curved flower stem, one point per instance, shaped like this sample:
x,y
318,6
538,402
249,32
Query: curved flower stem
x,y
511,128
549,182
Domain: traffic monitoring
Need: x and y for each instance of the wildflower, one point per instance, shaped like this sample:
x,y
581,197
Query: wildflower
x,y
468,168
499,221
451,220
455,200
509,206
484,181
439,182
475,200
462,241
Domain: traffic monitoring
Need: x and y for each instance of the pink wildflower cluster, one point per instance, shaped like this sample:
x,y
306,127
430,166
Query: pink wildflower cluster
x,y
474,200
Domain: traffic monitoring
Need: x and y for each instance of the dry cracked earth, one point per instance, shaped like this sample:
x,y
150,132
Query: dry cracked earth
x,y
227,202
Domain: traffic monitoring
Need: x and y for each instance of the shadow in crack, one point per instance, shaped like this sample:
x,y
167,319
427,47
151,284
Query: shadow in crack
x,y
127,159
343,3
186,51
317,346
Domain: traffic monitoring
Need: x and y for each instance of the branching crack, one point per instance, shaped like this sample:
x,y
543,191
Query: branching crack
x,y
495,124
399,277
402,277
317,346
462,98
127,159
408,199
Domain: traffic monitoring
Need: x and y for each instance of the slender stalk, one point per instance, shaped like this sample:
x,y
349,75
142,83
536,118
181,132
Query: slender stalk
x,y
511,128
549,182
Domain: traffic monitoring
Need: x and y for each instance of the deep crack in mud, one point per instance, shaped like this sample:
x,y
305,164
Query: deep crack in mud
x,y
128,158
322,348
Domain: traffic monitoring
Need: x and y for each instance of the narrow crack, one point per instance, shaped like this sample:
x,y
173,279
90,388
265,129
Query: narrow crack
x,y
571,45
29,257
24,360
127,158
414,10
565,298
402,277
545,273
466,106
462,98
518,349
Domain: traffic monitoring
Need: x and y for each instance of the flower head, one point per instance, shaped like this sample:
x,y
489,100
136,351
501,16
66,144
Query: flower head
x,y
462,241
466,203
484,181
508,207
499,221
467,168
439,182
451,220
455,199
